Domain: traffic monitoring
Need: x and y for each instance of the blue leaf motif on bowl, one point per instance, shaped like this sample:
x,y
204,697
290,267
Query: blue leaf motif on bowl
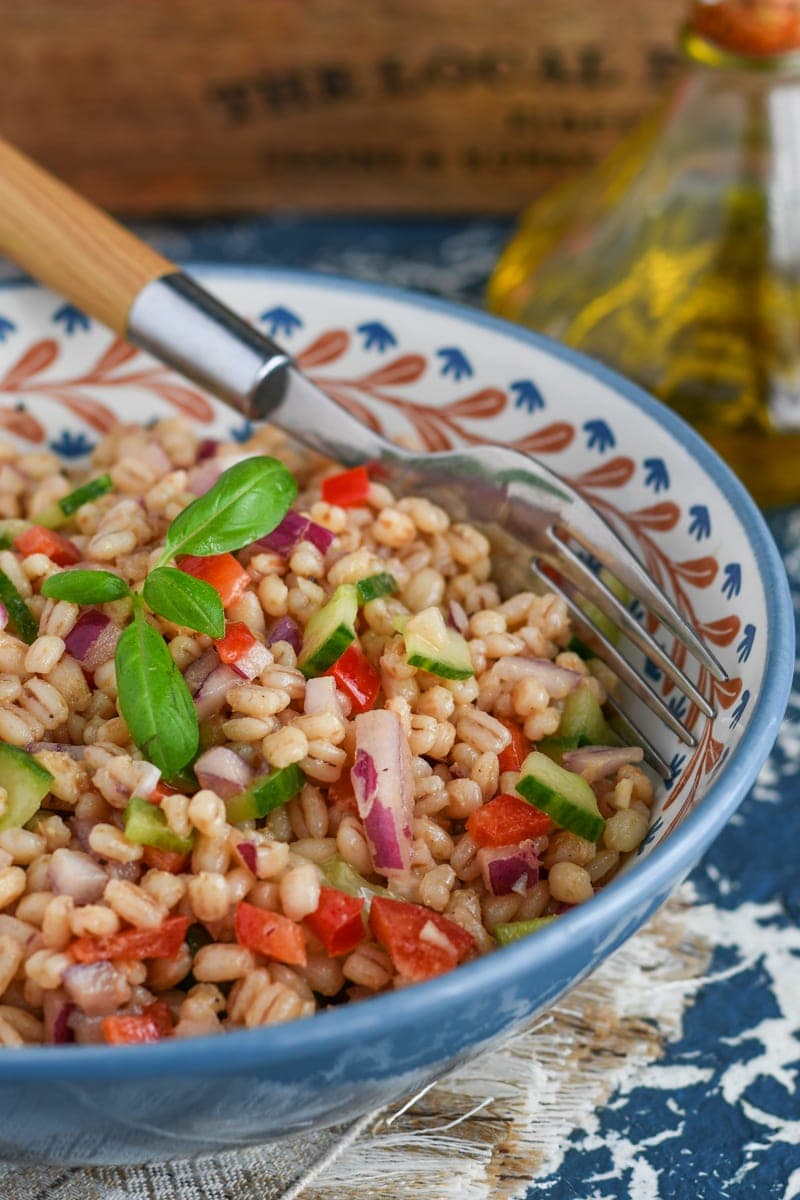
x,y
6,327
677,705
700,524
71,318
599,436
738,712
732,584
243,432
280,321
746,644
675,768
454,363
527,395
656,474
72,445
376,336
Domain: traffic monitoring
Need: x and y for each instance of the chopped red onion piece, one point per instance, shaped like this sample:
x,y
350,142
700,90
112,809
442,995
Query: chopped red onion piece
x,y
223,771
458,618
92,639
598,762
57,1012
207,449
88,1031
76,752
383,782
97,988
248,854
129,871
253,662
198,671
320,696
285,536
508,869
3,616
286,630
211,697
320,537
73,873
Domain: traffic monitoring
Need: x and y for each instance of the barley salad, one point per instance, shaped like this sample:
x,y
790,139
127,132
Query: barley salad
x,y
270,741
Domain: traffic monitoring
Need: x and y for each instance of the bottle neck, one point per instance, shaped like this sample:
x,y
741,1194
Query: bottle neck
x,y
758,35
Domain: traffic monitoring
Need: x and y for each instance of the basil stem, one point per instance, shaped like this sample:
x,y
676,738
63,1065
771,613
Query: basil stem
x,y
185,601
247,502
154,698
85,587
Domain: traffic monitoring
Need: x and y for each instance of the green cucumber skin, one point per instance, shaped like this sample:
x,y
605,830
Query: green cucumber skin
x,y
511,932
24,621
331,649
266,795
27,783
146,825
374,586
435,666
561,810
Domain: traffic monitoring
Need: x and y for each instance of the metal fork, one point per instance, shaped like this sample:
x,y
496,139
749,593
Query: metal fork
x,y
536,520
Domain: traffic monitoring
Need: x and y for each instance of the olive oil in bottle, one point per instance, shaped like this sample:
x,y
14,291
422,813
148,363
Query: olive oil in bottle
x,y
678,261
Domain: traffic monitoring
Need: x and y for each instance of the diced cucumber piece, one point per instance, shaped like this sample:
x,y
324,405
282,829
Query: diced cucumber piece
x,y
578,646
564,796
20,615
601,619
56,515
374,586
329,632
26,783
582,718
514,930
11,529
433,646
266,794
341,875
146,825
554,747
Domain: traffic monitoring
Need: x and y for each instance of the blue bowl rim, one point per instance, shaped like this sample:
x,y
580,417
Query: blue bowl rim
x,y
341,1028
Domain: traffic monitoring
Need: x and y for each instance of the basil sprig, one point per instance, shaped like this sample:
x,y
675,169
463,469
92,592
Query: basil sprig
x,y
153,697
85,587
247,502
185,601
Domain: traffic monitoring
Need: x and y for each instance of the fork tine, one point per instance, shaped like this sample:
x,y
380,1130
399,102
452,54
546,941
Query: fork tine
x,y
617,663
633,734
597,536
585,581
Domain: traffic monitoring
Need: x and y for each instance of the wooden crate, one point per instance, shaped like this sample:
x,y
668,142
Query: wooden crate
x,y
194,106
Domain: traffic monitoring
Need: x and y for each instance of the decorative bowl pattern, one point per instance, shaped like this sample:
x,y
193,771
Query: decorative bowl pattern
x,y
444,376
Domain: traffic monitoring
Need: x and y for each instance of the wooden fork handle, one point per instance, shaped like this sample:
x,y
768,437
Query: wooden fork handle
x,y
64,241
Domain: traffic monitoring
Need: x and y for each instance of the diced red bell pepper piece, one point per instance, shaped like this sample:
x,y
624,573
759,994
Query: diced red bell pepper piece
x,y
507,820
270,934
348,489
133,944
38,540
130,1030
159,1012
165,860
340,794
337,921
161,791
357,678
222,571
235,644
517,750
421,943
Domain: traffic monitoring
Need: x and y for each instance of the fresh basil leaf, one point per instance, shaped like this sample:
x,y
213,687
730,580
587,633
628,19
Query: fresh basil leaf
x,y
154,698
85,587
185,600
247,502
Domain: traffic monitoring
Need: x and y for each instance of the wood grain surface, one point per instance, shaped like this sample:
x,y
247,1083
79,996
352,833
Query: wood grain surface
x,y
194,106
